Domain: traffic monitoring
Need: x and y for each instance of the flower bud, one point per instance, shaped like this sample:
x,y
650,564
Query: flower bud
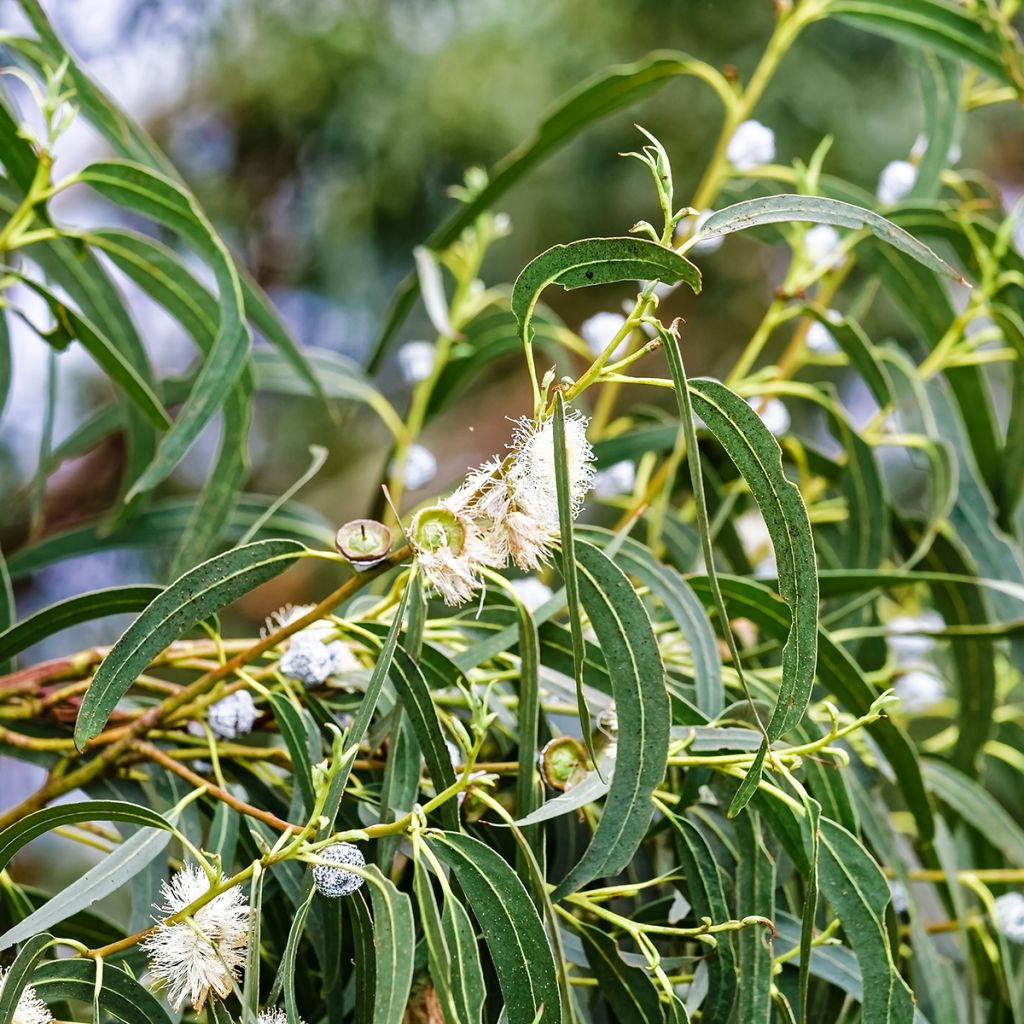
x,y
335,882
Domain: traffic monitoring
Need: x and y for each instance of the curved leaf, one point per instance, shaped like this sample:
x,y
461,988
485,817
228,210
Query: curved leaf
x,y
17,977
609,91
819,210
203,590
145,191
631,653
33,825
596,261
121,994
514,933
758,457
852,882
96,604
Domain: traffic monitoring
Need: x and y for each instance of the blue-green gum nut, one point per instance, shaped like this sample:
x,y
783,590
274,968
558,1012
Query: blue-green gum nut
x,y
363,542
438,527
562,761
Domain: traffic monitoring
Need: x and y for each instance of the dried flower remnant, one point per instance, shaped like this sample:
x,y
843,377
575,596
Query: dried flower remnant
x,y
203,953
337,881
30,1008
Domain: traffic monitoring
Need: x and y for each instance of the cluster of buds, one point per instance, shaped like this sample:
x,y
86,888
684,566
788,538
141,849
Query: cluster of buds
x,y
505,510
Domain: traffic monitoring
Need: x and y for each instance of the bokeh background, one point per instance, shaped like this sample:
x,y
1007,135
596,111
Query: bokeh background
x,y
322,137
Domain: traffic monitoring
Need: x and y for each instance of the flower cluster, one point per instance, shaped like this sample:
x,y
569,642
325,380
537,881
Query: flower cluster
x,y
505,510
203,953
30,1009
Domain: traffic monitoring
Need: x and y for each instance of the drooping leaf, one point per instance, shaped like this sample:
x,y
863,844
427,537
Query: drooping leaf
x,y
852,882
121,994
40,822
18,974
596,261
630,651
819,210
514,933
707,898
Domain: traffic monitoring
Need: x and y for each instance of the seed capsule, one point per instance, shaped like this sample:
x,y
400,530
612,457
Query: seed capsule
x,y
364,542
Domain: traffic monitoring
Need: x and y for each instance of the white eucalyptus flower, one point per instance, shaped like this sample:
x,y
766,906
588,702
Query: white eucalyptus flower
x,y
773,413
334,882
908,635
420,467
449,550
416,361
751,145
896,181
532,592
617,479
689,226
597,331
1009,914
30,1009
233,716
823,244
533,470
919,690
203,953
275,1016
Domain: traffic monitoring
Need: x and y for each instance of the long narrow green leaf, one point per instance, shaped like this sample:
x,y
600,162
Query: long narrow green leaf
x,y
819,210
40,822
707,898
121,995
515,936
852,882
96,604
630,651
205,589
394,939
138,188
618,87
596,261
568,564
